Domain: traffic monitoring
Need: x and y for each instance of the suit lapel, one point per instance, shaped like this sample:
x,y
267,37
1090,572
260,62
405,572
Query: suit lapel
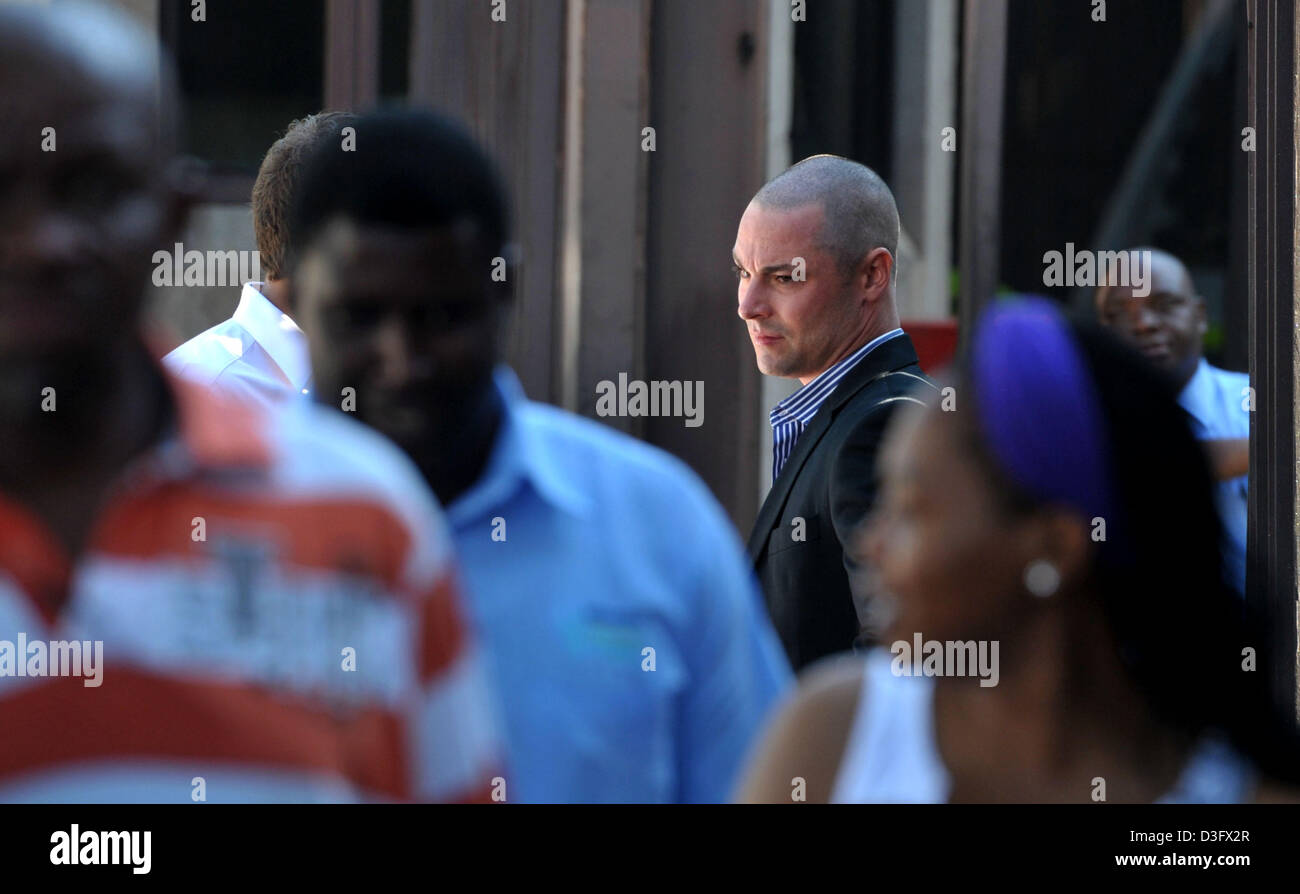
x,y
896,353
776,497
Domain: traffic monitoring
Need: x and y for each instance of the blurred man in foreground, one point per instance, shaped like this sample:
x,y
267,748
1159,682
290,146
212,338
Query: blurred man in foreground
x,y
196,603
625,631
260,354
1168,326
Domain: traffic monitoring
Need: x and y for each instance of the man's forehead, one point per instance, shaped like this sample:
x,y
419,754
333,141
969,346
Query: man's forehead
x,y
1169,275
781,230
778,220
83,125
364,241
1158,289
82,113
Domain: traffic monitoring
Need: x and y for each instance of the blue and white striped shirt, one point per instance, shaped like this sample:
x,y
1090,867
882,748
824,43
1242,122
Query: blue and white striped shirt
x,y
791,416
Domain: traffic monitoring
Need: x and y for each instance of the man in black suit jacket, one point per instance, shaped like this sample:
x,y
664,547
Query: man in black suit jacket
x,y
814,256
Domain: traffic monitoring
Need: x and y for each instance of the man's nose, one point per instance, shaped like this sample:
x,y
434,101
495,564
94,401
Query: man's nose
x,y
396,358
751,302
1144,318
49,239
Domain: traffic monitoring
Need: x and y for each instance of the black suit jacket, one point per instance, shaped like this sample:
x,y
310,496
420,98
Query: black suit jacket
x,y
830,483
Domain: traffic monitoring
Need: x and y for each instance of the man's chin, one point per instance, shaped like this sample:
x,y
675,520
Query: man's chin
x,y
406,429
772,366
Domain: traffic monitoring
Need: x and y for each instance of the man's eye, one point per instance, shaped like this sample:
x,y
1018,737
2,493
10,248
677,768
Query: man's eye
x,y
740,273
452,315
89,190
356,316
364,316
783,278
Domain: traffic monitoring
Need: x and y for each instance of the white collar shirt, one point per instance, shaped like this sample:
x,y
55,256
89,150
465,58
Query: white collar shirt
x,y
259,354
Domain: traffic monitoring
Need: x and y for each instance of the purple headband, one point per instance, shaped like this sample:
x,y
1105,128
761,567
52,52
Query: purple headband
x,y
1038,406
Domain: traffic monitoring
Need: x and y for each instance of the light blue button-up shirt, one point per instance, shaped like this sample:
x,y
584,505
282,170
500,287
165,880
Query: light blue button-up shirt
x,y
1215,398
619,613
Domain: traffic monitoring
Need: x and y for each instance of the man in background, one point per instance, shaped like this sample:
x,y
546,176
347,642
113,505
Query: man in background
x,y
629,642
814,259
259,609
1168,325
260,354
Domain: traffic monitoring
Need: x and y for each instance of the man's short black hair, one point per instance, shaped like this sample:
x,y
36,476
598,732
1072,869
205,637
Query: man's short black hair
x,y
408,168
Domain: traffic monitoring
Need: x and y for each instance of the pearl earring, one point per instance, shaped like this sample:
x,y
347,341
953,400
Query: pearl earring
x,y
1042,578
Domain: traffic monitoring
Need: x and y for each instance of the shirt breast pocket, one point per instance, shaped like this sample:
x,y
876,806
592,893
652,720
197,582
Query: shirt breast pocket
x,y
795,531
631,671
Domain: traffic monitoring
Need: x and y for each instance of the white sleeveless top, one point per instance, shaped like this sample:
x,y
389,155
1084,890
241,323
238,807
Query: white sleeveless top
x,y
892,756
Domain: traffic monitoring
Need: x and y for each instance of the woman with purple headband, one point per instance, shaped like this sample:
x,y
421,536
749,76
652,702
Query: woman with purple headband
x,y
1059,627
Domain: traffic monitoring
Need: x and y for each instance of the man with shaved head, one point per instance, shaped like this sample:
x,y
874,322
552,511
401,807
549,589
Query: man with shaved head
x,y
197,602
1168,326
815,261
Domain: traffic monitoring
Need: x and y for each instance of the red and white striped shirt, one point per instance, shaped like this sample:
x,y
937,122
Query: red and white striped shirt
x,y
280,621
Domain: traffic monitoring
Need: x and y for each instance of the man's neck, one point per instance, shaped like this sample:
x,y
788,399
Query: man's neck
x,y
1186,375
277,292
107,416
864,338
459,461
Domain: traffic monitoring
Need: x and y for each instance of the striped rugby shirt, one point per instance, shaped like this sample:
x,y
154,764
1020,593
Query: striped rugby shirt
x,y
791,416
229,573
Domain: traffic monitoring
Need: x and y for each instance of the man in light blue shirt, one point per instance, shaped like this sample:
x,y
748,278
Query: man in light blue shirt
x,y
629,638
1216,399
1168,325
620,617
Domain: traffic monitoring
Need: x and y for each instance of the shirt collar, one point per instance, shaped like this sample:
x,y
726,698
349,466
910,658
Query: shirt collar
x,y
519,455
1192,397
276,332
803,405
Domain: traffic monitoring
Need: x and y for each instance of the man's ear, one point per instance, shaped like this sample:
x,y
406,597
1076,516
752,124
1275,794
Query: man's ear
x,y
1202,321
875,272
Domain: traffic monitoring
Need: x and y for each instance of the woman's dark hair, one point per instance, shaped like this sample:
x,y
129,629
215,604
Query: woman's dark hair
x,y
1181,630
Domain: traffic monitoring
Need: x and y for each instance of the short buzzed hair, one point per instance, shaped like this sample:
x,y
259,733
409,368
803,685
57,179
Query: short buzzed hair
x,y
859,210
274,191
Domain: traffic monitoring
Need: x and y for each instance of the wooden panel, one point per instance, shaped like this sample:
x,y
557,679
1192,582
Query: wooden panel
x,y
708,106
1271,546
615,69
351,53
979,144
504,81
